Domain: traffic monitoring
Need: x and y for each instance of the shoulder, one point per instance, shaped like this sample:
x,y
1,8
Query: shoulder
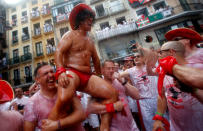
x,y
35,97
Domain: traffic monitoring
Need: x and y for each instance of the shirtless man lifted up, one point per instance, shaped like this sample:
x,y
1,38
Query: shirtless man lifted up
x,y
72,57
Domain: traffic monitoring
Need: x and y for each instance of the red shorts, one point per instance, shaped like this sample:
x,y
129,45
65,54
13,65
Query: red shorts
x,y
84,77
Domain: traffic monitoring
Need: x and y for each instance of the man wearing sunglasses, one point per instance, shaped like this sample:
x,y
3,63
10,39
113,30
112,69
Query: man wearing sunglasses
x,y
147,89
184,108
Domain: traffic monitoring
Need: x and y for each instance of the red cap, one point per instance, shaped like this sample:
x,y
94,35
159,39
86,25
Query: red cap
x,y
6,92
190,34
73,14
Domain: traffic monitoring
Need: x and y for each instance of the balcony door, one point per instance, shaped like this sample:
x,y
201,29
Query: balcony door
x,y
28,74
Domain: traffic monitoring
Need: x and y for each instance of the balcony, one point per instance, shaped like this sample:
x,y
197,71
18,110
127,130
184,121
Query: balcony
x,y
50,49
14,22
45,11
35,15
26,57
14,60
117,9
4,64
39,55
15,40
171,13
25,37
116,30
61,18
48,29
36,33
24,19
159,17
28,79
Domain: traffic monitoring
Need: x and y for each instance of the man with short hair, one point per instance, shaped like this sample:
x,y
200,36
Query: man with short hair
x,y
73,55
9,120
121,121
188,75
147,90
184,109
41,103
20,101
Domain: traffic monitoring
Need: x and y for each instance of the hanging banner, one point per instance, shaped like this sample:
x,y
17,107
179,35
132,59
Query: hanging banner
x,y
137,3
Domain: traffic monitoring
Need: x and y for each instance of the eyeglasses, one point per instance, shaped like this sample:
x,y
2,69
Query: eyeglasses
x,y
161,51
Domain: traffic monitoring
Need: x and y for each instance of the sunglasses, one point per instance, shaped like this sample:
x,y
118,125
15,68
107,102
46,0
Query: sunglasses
x,y
161,51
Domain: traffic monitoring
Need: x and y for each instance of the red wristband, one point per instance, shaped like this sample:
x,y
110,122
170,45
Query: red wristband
x,y
110,107
164,120
59,71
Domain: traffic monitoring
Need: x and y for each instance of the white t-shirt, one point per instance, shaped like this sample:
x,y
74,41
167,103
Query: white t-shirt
x,y
147,85
22,101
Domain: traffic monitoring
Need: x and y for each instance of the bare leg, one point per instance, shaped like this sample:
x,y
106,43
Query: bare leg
x,y
99,88
64,98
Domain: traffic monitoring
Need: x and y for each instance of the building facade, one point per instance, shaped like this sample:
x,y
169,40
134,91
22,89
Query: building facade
x,y
3,44
30,41
119,22
38,26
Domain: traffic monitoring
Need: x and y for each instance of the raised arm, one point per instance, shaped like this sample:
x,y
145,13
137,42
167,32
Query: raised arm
x,y
189,76
132,91
95,60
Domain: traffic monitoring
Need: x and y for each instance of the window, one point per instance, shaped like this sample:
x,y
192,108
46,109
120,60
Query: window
x,y
25,34
50,41
48,21
34,2
15,36
13,9
24,13
50,47
100,10
104,25
143,11
16,73
28,71
26,49
15,53
68,8
63,31
23,6
61,10
160,34
37,30
25,31
116,6
39,49
35,9
14,20
159,5
120,20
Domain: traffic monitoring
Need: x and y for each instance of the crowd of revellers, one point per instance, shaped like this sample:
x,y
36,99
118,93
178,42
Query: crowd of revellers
x,y
177,106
